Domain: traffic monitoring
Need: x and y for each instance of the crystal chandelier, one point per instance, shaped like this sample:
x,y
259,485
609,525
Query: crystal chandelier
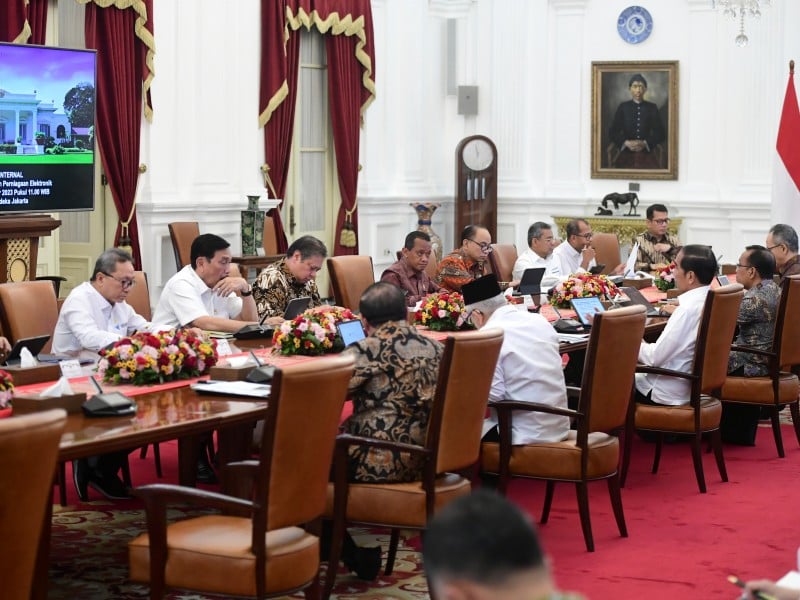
x,y
738,9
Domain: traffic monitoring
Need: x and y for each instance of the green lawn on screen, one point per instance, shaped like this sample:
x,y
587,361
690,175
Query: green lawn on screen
x,y
74,158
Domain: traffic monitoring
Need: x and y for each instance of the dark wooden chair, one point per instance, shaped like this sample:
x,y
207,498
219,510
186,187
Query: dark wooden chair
x,y
257,546
780,387
502,259
590,452
350,276
182,234
452,444
701,414
28,455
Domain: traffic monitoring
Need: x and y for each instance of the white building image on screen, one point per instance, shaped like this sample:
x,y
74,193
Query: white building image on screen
x,y
23,115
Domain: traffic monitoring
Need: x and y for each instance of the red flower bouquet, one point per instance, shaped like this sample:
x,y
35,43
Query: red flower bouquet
x,y
145,358
582,285
665,277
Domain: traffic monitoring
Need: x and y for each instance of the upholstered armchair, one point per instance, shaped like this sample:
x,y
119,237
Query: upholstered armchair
x,y
350,276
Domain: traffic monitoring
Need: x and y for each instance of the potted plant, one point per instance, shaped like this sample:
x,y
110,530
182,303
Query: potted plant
x,y
40,137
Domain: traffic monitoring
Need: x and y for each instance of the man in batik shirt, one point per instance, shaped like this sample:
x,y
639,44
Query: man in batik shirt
x,y
289,278
756,323
408,273
392,387
468,262
657,246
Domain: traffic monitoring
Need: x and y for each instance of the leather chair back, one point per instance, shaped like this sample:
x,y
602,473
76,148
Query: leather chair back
x,y
17,300
787,325
606,247
502,259
604,373
462,392
714,337
297,451
350,276
28,454
269,240
139,295
182,234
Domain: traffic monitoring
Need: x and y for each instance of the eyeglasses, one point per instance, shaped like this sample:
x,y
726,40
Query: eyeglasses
x,y
773,247
743,266
660,221
125,283
586,236
485,248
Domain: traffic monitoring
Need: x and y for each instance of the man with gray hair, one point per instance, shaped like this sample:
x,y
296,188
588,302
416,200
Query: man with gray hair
x,y
94,315
528,369
782,242
539,254
289,278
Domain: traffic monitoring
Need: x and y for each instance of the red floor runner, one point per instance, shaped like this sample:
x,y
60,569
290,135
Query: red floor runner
x,y
681,544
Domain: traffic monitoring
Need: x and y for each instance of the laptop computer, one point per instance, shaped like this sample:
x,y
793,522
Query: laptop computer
x,y
584,307
531,282
351,331
295,307
33,344
636,297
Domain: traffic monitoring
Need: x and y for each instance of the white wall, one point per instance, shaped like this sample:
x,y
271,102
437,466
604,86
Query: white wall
x,y
531,60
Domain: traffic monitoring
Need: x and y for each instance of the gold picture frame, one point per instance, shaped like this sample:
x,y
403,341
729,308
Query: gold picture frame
x,y
635,140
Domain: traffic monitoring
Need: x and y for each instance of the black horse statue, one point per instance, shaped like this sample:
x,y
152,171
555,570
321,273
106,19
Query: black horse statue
x,y
631,199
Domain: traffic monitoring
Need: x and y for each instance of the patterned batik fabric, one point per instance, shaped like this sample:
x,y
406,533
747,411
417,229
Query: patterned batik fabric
x,y
275,286
756,322
392,389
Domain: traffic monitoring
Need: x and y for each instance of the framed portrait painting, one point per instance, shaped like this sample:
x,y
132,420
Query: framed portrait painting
x,y
635,120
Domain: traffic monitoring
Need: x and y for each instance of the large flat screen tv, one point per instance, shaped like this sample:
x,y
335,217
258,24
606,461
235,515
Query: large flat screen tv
x,y
47,109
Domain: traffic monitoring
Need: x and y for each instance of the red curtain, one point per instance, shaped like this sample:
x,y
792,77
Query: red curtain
x,y
14,25
37,17
344,92
124,72
278,93
351,82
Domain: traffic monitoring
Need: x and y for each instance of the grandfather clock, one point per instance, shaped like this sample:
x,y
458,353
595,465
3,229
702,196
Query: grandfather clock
x,y
476,185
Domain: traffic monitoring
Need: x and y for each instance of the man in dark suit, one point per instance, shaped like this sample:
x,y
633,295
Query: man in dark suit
x,y
636,130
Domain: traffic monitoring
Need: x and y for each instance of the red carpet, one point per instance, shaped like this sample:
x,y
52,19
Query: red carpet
x,y
682,544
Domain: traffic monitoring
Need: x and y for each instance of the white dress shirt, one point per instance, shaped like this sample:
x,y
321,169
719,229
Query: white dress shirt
x,y
530,260
529,368
186,297
89,321
569,259
674,350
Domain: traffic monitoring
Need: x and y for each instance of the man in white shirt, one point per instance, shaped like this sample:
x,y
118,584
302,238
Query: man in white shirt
x,y
695,267
575,254
528,368
203,295
539,254
94,315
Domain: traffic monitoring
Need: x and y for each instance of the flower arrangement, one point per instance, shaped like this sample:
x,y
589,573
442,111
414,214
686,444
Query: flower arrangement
x,y
312,333
665,277
443,311
6,389
145,358
582,285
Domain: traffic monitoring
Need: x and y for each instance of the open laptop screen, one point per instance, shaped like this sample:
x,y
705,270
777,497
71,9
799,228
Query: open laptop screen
x,y
351,331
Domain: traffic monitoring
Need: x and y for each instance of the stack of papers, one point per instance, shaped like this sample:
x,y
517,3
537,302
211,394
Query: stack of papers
x,y
233,388
572,338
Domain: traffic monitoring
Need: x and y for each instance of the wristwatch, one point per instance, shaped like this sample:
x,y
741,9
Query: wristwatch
x,y
249,292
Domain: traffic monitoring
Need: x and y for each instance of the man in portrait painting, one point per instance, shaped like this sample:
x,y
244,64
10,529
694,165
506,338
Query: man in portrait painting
x,y
636,131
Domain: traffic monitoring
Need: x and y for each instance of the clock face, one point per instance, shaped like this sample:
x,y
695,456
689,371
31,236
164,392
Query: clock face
x,y
477,154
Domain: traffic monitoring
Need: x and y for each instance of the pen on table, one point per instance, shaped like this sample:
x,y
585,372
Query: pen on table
x,y
756,594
